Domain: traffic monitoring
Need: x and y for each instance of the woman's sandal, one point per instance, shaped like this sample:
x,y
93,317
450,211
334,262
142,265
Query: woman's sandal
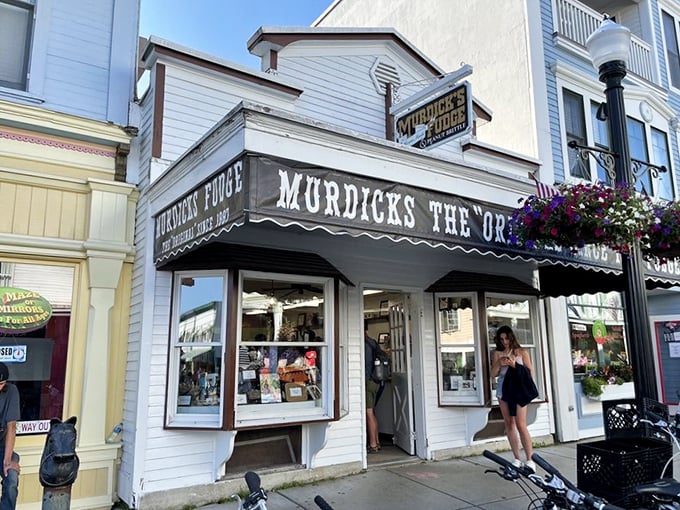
x,y
373,449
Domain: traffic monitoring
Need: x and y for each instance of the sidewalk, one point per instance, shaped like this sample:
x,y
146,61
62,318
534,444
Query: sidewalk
x,y
433,485
450,484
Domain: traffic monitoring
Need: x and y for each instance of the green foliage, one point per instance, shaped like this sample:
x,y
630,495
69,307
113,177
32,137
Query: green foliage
x,y
582,214
592,386
615,373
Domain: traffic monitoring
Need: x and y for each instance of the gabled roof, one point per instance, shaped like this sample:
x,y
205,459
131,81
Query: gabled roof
x,y
268,38
157,46
274,38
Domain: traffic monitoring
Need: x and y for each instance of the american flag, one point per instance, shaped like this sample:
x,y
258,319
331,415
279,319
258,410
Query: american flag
x,y
544,190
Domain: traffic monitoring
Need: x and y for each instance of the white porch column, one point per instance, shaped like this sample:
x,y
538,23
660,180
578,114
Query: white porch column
x,y
104,274
566,415
108,245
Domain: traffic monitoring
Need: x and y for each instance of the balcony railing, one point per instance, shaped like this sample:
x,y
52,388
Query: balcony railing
x,y
575,22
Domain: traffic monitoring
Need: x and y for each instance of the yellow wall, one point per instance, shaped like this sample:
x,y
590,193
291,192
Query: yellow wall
x,y
61,205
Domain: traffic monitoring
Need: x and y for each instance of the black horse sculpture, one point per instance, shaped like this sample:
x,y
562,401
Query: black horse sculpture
x,y
59,463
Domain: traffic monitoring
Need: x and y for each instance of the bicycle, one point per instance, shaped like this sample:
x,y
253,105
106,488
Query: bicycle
x,y
664,493
558,491
257,497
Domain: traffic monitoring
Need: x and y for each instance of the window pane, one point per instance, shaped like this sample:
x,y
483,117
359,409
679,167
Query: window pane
x,y
199,344
601,139
515,312
282,349
672,54
638,150
40,372
457,347
597,334
664,182
574,121
199,381
15,24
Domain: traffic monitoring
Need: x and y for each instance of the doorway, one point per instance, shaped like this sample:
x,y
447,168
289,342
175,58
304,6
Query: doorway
x,y
386,316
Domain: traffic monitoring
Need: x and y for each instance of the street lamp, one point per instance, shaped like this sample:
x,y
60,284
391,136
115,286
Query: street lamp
x,y
609,49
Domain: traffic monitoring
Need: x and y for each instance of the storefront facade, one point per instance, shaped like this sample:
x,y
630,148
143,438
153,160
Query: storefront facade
x,y
275,220
65,270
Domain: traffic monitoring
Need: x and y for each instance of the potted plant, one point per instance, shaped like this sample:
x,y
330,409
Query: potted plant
x,y
597,380
663,235
582,214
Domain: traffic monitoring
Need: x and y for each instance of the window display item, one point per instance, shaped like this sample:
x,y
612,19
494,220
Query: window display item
x,y
270,388
295,392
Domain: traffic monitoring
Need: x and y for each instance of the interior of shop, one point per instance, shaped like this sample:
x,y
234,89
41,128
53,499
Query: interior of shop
x,y
384,317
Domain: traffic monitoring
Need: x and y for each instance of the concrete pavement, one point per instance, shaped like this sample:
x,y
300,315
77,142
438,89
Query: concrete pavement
x,y
451,484
454,484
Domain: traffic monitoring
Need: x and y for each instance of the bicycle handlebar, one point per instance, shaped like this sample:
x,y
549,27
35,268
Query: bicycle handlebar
x,y
498,459
659,420
253,481
321,503
552,470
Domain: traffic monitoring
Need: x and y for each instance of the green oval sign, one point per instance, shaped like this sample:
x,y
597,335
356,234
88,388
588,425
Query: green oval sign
x,y
22,310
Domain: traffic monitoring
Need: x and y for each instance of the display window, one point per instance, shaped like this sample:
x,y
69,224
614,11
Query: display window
x,y
285,349
461,336
597,333
196,381
278,333
521,314
35,318
459,353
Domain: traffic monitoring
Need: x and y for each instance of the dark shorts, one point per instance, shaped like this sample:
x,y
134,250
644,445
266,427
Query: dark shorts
x,y
371,392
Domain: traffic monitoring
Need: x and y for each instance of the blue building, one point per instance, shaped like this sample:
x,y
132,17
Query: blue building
x,y
532,70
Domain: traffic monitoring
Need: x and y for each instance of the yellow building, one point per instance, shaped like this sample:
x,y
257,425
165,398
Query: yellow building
x,y
66,233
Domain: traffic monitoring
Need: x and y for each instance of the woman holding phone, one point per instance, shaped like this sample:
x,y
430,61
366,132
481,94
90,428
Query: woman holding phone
x,y
509,356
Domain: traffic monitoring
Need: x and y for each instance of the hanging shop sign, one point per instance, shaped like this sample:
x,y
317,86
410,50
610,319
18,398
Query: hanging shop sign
x,y
22,310
447,116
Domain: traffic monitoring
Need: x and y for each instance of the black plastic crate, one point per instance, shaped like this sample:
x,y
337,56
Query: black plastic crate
x,y
622,419
613,466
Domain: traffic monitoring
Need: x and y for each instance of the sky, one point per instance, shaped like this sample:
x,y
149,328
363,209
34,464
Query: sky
x,y
223,27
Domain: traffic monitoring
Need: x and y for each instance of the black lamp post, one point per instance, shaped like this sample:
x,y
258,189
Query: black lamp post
x,y
609,48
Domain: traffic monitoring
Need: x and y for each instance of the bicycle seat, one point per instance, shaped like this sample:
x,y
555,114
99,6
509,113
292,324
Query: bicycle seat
x,y
667,487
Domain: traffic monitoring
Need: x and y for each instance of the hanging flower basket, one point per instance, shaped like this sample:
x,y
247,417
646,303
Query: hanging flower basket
x,y
662,238
582,214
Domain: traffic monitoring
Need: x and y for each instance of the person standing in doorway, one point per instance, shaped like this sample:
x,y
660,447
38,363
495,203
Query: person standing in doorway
x,y
515,389
9,415
370,346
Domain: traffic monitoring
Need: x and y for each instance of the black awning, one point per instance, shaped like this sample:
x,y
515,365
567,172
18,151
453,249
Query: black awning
x,y
559,280
217,255
462,281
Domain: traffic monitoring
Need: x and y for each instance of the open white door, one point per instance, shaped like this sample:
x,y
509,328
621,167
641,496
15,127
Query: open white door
x,y
404,436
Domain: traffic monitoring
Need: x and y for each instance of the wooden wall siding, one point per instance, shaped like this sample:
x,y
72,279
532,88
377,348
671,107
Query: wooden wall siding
x,y
343,439
195,102
78,57
134,440
660,50
43,212
551,56
673,94
90,484
338,90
